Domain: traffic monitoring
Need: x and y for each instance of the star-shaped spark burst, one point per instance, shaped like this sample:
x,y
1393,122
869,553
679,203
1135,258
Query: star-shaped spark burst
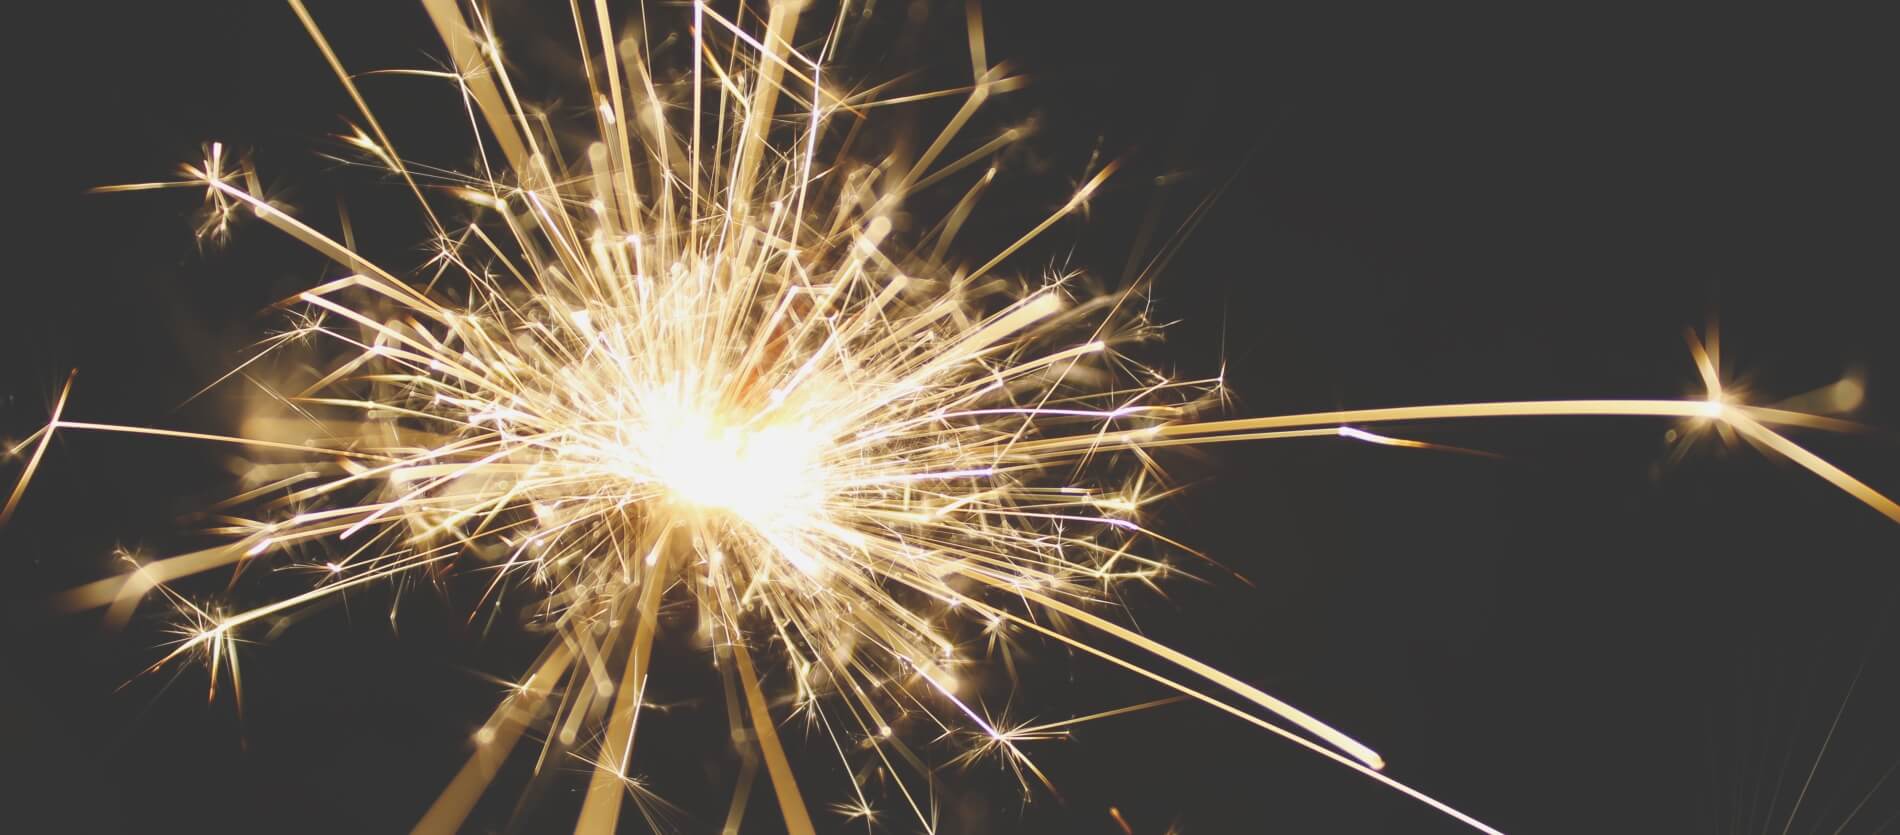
x,y
690,360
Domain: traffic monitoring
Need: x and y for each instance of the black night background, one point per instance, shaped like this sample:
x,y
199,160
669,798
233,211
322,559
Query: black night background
x,y
1418,203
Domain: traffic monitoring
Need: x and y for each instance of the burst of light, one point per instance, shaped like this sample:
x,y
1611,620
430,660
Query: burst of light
x,y
695,362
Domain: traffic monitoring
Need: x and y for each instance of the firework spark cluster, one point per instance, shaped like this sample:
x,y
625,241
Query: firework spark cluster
x,y
689,359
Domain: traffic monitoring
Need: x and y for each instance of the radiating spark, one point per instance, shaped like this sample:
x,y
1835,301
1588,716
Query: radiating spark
x,y
694,364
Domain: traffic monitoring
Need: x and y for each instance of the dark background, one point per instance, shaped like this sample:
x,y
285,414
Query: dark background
x,y
1424,203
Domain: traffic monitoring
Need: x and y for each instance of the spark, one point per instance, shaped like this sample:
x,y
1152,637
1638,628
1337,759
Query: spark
x,y
696,363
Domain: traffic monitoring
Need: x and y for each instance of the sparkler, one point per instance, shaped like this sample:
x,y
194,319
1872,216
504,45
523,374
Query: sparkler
x,y
695,362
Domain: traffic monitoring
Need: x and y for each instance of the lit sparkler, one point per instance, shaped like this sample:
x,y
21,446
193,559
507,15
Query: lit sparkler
x,y
693,361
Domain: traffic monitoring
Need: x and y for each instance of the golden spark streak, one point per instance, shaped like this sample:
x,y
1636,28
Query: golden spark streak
x,y
39,450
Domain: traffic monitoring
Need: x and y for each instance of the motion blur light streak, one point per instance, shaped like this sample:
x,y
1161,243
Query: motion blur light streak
x,y
694,358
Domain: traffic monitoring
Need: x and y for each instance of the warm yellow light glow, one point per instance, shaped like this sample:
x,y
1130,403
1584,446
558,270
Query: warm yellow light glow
x,y
768,476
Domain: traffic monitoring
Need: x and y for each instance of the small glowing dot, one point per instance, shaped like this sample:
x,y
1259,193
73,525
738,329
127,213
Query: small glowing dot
x,y
1848,394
